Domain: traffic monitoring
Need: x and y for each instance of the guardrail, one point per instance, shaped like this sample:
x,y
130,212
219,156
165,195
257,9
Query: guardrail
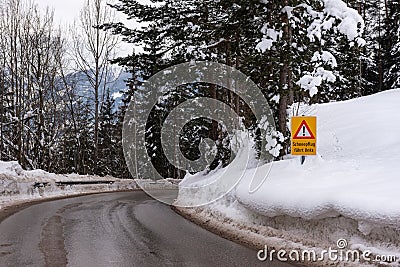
x,y
82,182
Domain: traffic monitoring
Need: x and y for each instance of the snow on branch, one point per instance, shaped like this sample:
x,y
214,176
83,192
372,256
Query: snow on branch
x,y
311,82
270,37
351,24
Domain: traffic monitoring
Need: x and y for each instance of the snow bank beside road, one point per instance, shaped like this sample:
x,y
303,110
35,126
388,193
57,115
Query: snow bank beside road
x,y
356,173
18,185
349,190
233,221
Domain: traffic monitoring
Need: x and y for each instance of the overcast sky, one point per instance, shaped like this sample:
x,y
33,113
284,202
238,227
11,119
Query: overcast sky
x,y
66,11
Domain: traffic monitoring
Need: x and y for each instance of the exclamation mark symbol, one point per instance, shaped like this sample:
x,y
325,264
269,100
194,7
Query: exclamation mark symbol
x,y
304,130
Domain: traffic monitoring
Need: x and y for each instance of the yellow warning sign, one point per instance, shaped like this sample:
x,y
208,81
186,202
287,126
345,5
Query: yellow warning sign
x,y
304,136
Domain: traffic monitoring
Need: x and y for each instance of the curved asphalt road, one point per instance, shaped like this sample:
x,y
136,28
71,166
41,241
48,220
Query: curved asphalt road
x,y
116,229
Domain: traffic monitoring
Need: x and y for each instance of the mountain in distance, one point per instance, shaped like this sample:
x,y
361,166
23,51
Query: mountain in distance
x,y
116,85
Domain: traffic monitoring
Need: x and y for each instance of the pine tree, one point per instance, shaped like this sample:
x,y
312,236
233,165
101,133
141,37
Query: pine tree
x,y
391,44
288,48
107,160
77,147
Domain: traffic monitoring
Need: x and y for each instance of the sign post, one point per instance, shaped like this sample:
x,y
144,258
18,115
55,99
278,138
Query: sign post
x,y
304,136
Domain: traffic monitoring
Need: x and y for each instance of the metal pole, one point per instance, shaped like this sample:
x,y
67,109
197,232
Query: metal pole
x,y
302,159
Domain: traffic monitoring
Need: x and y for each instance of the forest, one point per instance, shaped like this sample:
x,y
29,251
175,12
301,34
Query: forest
x,y
295,51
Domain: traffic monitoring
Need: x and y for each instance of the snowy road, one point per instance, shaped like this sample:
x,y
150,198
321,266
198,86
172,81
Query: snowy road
x,y
116,229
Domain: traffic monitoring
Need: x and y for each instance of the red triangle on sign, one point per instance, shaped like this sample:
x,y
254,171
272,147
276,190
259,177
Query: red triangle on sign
x,y
304,132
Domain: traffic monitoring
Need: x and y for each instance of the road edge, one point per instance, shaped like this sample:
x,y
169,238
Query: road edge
x,y
227,231
16,207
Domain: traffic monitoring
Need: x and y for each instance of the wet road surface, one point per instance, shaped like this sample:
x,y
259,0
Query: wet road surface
x,y
115,229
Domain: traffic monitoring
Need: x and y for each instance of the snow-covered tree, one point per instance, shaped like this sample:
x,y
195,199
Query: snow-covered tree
x,y
391,40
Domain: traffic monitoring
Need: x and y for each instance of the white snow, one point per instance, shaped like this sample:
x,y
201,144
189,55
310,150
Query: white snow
x,y
351,23
17,185
311,82
335,16
270,37
116,95
200,189
354,181
325,56
356,172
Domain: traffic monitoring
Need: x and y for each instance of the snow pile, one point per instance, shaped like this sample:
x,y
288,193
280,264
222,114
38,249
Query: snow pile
x,y
18,185
349,190
356,172
200,189
10,168
164,184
